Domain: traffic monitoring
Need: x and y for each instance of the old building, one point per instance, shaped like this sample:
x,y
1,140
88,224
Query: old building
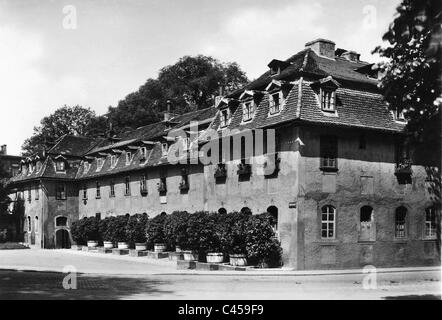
x,y
9,164
311,141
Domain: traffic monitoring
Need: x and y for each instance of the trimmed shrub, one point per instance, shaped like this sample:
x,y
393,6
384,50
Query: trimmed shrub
x,y
118,228
155,230
106,232
197,232
136,229
234,233
262,246
91,229
78,231
175,229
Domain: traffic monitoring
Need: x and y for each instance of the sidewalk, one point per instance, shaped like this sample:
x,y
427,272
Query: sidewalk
x,y
97,263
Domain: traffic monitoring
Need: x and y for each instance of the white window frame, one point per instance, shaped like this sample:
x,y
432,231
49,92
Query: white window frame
x,y
429,230
113,161
128,157
327,221
100,163
60,166
327,99
224,118
272,106
248,110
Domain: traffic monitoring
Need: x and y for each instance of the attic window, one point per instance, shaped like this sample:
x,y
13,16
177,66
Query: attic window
x,y
328,98
224,117
248,110
164,149
399,114
100,163
113,161
128,158
275,102
60,166
87,166
143,151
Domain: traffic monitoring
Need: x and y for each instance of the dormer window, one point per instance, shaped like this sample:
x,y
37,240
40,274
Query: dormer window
x,y
164,149
248,110
60,166
38,166
328,98
31,168
224,117
275,102
113,161
87,166
128,158
143,151
100,163
399,115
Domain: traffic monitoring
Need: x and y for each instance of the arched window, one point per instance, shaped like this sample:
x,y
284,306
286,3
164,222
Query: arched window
x,y
61,221
222,211
328,222
246,210
366,230
273,211
430,222
399,222
36,224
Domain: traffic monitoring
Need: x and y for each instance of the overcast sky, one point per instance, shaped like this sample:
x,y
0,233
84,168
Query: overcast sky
x,y
48,58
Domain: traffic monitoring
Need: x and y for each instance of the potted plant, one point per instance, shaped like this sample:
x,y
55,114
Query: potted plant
x,y
136,231
175,227
106,227
77,232
214,228
197,234
92,232
120,233
235,235
262,246
155,232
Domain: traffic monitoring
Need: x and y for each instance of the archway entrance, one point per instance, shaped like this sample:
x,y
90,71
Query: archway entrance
x,y
62,240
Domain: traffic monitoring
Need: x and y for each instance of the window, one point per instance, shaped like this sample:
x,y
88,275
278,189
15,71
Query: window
x,y
60,166
113,161
29,224
399,222
164,149
143,151
112,189
327,99
329,152
100,163
430,222
275,101
38,166
366,230
127,187
224,117
128,158
84,192
162,187
399,114
143,184
328,222
248,110
87,166
29,194
98,216
273,211
61,222
60,191
362,142
37,192
31,168
36,224
98,193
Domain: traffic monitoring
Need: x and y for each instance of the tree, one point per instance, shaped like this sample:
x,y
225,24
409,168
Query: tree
x,y
412,74
191,84
413,82
74,120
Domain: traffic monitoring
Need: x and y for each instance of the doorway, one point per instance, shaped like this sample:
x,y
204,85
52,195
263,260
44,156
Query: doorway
x,y
62,240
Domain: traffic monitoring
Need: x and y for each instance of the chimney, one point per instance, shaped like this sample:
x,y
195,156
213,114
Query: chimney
x,y
167,113
4,150
322,47
351,56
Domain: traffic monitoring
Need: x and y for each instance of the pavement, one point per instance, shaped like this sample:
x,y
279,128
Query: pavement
x,y
99,276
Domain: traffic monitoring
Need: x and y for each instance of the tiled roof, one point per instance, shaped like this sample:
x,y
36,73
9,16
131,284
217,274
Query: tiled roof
x,y
75,146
